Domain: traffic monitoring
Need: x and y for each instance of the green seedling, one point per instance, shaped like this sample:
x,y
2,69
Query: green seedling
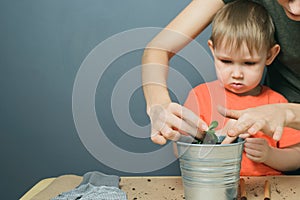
x,y
210,136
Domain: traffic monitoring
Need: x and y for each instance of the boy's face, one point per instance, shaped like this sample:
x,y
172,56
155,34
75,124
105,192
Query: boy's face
x,y
238,70
291,8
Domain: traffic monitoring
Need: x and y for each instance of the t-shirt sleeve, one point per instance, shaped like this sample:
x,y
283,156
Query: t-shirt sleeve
x,y
275,97
289,137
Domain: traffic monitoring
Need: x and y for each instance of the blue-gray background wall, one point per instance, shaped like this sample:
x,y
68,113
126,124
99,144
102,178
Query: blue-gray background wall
x,y
42,45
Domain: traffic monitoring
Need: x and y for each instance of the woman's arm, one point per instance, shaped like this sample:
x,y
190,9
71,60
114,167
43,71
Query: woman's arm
x,y
185,27
293,113
269,118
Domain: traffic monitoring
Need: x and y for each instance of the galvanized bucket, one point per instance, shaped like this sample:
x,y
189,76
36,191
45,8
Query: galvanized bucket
x,y
210,172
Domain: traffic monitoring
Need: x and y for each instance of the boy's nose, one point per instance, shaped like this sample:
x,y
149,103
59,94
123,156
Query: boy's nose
x,y
237,73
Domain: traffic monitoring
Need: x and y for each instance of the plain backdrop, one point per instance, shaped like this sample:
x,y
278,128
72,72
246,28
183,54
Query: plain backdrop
x,y
42,45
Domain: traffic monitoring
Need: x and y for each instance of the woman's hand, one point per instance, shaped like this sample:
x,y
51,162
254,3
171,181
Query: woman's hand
x,y
228,139
269,119
257,149
170,120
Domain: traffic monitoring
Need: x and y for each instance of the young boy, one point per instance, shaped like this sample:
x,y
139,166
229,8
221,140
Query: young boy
x,y
242,43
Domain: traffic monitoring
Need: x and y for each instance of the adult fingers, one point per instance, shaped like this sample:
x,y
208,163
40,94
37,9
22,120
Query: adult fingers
x,y
228,140
157,138
266,128
182,125
259,141
240,127
168,124
244,135
166,121
188,116
163,129
233,114
278,133
169,133
257,126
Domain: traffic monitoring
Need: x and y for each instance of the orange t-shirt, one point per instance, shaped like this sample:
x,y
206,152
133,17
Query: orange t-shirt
x,y
204,99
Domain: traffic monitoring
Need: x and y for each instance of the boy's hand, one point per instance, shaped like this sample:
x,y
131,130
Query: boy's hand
x,y
257,149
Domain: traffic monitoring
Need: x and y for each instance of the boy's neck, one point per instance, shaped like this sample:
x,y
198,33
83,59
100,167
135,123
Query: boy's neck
x,y
254,92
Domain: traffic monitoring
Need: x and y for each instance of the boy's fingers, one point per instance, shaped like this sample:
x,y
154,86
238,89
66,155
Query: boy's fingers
x,y
252,157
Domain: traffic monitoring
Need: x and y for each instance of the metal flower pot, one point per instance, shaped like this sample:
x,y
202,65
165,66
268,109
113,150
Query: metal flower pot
x,y
210,172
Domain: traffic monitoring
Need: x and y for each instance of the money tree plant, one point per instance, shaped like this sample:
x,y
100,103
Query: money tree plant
x,y
209,135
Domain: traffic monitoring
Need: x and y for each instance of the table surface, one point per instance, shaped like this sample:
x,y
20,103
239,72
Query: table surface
x,y
168,187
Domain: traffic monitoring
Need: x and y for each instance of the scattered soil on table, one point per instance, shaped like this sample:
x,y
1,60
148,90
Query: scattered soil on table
x,y
278,191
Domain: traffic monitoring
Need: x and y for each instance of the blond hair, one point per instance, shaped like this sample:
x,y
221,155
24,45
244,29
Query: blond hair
x,y
243,21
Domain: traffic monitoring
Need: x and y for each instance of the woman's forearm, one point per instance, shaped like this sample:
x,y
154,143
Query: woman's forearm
x,y
286,159
189,23
154,77
292,115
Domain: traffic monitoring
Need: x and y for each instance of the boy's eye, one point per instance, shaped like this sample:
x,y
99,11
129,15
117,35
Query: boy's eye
x,y
250,63
226,61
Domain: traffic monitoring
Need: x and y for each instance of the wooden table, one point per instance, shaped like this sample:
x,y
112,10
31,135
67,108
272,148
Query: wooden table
x,y
167,187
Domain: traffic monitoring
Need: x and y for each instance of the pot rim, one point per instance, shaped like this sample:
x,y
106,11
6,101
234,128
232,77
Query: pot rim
x,y
239,142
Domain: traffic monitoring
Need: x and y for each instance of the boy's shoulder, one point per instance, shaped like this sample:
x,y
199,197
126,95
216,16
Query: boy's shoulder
x,y
273,95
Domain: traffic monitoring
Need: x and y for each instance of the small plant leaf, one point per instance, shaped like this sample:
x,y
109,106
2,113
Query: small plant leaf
x,y
215,138
210,132
213,125
210,136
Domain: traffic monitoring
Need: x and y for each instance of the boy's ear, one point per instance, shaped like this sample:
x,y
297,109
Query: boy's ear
x,y
273,52
211,46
